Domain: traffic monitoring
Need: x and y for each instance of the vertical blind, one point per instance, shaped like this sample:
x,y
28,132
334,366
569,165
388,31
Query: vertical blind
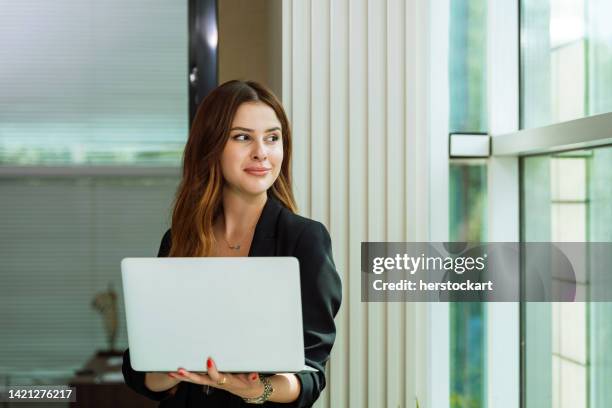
x,y
355,76
87,81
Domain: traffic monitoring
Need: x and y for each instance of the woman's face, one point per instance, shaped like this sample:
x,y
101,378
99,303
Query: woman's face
x,y
252,158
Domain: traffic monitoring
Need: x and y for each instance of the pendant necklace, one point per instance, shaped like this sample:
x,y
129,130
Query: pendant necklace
x,y
237,246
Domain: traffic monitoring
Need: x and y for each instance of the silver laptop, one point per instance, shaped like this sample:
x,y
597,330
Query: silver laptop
x,y
244,312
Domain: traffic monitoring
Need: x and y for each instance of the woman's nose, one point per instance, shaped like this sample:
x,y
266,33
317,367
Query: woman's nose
x,y
259,151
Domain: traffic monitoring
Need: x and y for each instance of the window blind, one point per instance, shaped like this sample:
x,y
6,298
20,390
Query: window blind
x,y
87,81
62,242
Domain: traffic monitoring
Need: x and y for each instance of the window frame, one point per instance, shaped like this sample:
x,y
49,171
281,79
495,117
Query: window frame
x,y
502,319
84,171
505,331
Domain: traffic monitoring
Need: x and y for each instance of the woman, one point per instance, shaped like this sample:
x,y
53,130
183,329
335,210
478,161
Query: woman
x,y
236,199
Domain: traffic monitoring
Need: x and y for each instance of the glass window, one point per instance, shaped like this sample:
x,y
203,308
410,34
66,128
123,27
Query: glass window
x,y
468,198
93,82
467,66
468,214
566,60
467,185
566,198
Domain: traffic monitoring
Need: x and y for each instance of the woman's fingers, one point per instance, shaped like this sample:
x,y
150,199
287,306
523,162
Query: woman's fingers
x,y
209,378
175,375
246,378
216,379
219,379
212,370
195,378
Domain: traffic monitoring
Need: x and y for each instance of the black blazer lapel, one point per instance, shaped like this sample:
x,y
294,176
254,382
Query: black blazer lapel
x,y
264,237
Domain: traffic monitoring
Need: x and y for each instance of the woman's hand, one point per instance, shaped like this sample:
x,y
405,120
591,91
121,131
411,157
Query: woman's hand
x,y
160,382
242,385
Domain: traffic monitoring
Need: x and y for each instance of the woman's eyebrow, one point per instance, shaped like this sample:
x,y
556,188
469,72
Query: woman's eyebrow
x,y
252,130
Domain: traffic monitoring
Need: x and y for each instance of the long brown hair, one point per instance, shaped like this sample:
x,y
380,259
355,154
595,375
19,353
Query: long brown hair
x,y
199,197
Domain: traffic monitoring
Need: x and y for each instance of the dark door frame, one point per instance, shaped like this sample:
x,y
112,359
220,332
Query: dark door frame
x,y
203,65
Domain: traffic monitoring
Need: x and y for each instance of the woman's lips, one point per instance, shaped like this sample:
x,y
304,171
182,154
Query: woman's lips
x,y
257,171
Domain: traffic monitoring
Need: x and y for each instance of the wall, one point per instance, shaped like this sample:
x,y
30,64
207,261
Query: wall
x,y
250,41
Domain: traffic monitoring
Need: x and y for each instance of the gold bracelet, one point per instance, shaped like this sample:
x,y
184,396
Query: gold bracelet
x,y
266,393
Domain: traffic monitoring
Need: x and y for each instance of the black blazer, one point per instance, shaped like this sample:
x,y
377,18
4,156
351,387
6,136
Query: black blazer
x,y
278,232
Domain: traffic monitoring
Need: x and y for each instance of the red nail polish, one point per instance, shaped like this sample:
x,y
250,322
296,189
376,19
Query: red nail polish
x,y
209,362
254,377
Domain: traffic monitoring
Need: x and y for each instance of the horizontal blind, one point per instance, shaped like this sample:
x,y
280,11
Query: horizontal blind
x,y
62,242
87,81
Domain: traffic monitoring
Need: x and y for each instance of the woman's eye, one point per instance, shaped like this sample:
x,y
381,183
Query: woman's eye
x,y
241,137
273,138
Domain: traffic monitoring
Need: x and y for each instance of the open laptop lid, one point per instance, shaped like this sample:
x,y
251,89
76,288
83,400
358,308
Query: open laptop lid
x,y
244,312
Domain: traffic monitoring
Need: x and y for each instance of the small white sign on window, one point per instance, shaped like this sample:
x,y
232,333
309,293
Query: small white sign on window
x,y
469,145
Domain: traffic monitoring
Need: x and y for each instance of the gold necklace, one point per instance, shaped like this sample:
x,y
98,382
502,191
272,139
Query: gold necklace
x,y
237,246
